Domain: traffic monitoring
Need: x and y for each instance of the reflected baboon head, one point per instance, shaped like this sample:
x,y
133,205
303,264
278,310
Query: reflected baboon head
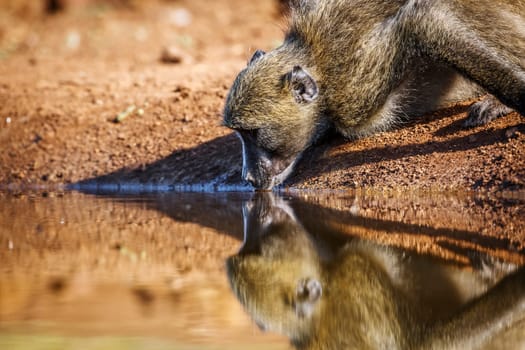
x,y
272,106
358,294
276,274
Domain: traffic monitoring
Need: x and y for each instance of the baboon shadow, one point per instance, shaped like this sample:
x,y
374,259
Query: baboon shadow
x,y
314,163
216,164
210,166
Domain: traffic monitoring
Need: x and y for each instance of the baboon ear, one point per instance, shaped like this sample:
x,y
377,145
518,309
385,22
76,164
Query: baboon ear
x,y
307,294
256,55
303,85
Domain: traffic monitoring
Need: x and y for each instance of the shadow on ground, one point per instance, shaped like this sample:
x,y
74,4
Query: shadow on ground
x,y
314,162
216,165
210,166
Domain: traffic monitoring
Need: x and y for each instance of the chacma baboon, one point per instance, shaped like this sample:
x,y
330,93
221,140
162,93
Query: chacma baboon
x,y
360,66
324,292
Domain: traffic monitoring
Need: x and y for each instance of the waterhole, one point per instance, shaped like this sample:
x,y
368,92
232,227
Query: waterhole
x,y
261,270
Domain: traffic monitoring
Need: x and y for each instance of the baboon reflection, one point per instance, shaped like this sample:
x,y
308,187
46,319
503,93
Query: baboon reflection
x,y
339,293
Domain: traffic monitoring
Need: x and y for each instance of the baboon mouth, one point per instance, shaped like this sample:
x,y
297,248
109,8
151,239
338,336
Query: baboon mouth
x,y
285,174
278,179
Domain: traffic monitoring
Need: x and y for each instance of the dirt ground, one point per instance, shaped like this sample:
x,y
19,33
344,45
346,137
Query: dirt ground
x,y
65,77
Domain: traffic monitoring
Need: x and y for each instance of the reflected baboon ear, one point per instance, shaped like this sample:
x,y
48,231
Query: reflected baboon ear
x,y
256,55
303,85
307,294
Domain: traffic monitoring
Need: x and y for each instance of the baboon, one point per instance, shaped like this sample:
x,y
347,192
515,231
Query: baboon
x,y
330,293
361,66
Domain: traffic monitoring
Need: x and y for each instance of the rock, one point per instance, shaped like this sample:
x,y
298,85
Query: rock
x,y
73,40
172,54
180,17
511,132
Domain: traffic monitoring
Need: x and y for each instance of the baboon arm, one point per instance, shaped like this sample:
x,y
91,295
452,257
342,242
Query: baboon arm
x,y
474,39
498,309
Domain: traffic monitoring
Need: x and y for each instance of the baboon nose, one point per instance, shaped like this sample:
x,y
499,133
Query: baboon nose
x,y
257,182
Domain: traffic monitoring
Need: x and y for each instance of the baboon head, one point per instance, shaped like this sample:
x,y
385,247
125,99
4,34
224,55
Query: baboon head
x,y
272,106
276,274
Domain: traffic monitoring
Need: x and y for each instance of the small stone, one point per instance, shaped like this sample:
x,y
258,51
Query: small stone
x,y
511,132
172,54
180,17
73,40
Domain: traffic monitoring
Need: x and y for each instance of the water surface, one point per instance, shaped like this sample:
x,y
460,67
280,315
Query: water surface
x,y
232,270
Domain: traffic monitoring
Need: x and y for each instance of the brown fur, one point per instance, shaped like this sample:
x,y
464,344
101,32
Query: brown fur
x,y
364,65
373,297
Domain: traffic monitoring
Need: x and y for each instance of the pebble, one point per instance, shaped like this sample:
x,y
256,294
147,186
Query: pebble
x,y
511,132
73,40
180,17
172,54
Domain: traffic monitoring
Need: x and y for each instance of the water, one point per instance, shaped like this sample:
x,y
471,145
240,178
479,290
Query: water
x,y
244,270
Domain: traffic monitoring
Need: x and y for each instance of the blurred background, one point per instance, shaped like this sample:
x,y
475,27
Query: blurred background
x,y
90,87
132,27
